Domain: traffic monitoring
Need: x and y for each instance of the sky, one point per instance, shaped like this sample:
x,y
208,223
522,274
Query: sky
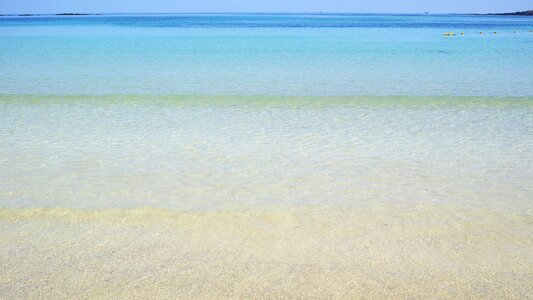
x,y
176,6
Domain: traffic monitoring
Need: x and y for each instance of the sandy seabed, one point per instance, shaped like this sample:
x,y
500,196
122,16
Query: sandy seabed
x,y
122,197
381,251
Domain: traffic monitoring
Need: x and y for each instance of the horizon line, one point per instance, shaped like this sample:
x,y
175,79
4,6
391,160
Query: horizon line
x,y
67,13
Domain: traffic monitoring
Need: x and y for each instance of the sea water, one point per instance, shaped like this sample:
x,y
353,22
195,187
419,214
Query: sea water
x,y
256,155
267,55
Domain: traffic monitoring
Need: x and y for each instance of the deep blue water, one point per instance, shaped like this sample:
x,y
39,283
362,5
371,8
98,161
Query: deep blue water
x,y
281,21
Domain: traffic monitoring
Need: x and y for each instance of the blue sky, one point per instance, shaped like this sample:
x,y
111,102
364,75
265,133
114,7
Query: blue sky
x,y
371,6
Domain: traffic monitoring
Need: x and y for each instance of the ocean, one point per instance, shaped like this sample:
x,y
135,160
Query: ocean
x,y
266,156
312,55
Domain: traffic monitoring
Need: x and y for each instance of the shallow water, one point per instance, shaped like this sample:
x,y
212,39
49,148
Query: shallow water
x,y
250,197
259,156
194,153
384,251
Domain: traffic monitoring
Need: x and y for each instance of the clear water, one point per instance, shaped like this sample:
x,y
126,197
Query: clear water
x,y
202,153
267,55
266,156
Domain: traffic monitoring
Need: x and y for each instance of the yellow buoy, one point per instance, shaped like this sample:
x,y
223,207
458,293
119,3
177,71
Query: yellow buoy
x,y
481,32
495,32
462,33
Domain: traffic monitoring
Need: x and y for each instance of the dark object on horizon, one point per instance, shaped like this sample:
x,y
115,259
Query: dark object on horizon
x,y
518,13
26,15
72,14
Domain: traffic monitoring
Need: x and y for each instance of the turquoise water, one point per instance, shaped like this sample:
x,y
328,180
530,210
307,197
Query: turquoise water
x,y
266,157
267,55
197,112
186,109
